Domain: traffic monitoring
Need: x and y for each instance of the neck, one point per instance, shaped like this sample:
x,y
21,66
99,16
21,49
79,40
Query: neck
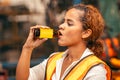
x,y
75,52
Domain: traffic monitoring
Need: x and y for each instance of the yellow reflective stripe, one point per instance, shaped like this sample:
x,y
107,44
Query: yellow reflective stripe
x,y
52,64
79,71
82,68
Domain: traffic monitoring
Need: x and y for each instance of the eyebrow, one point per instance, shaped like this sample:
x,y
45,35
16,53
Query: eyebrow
x,y
68,20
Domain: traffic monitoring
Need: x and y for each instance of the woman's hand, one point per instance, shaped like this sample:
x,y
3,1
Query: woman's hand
x,y
23,65
32,43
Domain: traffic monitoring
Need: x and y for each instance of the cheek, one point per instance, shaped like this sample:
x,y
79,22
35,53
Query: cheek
x,y
75,34
70,38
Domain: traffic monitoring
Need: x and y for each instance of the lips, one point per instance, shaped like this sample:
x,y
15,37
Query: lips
x,y
59,34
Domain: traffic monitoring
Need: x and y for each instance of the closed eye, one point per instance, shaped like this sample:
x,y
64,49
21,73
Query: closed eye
x,y
70,22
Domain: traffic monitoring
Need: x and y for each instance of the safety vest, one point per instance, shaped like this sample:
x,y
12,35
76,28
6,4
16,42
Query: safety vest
x,y
79,71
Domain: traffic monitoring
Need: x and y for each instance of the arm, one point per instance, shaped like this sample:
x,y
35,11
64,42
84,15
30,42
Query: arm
x,y
22,71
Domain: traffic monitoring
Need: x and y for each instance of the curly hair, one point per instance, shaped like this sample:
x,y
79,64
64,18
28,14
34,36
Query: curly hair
x,y
93,20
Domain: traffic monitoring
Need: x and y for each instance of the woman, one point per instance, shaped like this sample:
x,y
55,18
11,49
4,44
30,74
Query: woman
x,y
80,32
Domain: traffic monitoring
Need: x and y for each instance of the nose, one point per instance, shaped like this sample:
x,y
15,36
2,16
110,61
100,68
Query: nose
x,y
62,26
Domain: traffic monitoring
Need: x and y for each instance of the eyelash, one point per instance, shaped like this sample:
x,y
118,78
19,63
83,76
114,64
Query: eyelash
x,y
69,24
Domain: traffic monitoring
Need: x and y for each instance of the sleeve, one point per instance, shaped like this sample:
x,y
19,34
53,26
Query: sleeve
x,y
97,73
38,72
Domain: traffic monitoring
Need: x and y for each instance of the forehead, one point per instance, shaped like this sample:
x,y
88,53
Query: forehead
x,y
74,13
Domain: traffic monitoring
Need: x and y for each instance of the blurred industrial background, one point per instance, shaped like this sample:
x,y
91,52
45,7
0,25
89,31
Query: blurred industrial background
x,y
17,16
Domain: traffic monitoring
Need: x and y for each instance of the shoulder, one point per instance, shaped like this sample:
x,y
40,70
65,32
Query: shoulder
x,y
97,72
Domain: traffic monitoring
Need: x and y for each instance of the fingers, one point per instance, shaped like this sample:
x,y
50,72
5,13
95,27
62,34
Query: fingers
x,y
43,40
38,42
34,42
31,33
38,26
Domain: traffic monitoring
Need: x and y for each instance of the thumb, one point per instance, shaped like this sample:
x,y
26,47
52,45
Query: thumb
x,y
40,41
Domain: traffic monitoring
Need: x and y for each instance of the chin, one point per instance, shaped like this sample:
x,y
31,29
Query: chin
x,y
61,44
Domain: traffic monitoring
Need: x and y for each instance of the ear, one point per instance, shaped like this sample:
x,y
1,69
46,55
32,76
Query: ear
x,y
86,33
